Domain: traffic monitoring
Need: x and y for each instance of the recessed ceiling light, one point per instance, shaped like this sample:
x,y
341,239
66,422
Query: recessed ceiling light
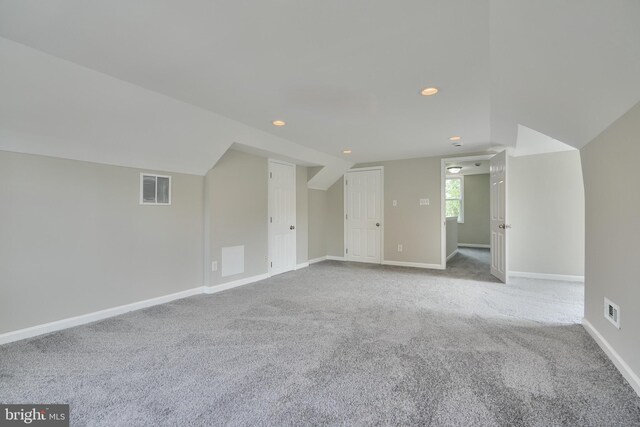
x,y
455,138
346,151
278,123
428,91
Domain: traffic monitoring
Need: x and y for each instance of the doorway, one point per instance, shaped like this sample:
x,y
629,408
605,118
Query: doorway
x,y
282,216
474,214
363,215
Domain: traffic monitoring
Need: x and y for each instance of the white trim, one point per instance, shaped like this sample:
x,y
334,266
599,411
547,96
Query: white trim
x,y
443,216
316,188
302,265
93,317
452,254
632,378
345,207
473,245
122,309
413,264
269,215
142,202
545,276
335,258
320,259
240,282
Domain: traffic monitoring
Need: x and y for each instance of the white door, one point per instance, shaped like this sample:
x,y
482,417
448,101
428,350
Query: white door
x,y
363,215
282,217
499,226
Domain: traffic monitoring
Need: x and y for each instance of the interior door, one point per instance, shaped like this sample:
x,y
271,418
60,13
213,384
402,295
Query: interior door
x,y
499,226
282,217
363,215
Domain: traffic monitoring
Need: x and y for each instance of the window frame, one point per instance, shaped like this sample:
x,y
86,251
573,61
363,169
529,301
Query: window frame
x,y
156,176
461,199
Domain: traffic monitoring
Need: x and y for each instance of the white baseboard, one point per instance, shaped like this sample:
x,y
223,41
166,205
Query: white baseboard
x,y
473,245
452,255
240,282
545,276
93,317
335,258
115,311
632,378
413,264
301,265
320,259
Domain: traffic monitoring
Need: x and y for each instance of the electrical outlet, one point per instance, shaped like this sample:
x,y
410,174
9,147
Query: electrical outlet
x,y
400,248
424,202
214,265
395,203
612,312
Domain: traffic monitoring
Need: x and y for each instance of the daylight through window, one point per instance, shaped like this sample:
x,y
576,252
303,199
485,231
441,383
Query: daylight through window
x,y
454,195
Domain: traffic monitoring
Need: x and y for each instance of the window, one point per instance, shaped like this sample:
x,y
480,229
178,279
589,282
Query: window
x,y
454,195
155,189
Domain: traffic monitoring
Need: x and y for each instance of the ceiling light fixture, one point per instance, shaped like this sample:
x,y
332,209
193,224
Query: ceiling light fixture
x,y
454,169
428,91
278,123
455,138
346,151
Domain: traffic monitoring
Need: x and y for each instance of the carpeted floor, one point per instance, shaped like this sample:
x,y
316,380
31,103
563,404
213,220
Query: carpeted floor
x,y
336,343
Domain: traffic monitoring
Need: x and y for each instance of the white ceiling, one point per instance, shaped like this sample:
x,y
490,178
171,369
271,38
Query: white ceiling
x,y
531,142
347,74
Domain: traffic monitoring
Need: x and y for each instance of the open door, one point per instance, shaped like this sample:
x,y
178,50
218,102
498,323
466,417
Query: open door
x,y
499,226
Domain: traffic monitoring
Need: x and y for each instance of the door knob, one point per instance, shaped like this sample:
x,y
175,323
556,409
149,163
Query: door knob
x,y
501,226
293,227
377,224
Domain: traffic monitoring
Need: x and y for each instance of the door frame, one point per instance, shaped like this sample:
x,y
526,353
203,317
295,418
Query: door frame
x,y
443,217
269,224
344,213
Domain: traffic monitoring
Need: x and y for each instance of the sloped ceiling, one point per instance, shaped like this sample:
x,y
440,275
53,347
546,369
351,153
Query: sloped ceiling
x,y
171,85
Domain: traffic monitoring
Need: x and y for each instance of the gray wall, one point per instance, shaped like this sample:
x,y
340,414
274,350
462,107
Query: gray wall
x,y
318,214
612,230
302,215
236,205
476,228
74,239
416,227
546,212
237,212
452,235
335,219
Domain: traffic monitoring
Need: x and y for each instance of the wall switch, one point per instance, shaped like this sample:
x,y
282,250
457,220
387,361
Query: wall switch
x,y
424,202
214,265
400,248
395,203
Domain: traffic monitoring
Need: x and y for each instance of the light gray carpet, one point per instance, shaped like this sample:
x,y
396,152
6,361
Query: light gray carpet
x,y
336,343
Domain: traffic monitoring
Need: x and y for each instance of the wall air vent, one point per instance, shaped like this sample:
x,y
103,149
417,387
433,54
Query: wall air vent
x,y
612,312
